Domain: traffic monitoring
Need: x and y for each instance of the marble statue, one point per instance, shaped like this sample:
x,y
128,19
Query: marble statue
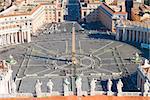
x,y
79,86
146,63
38,87
4,63
93,84
65,29
50,86
109,85
137,57
56,27
66,88
52,28
119,86
11,60
146,86
13,87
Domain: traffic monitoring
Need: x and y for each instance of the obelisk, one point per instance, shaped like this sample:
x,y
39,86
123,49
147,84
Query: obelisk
x,y
74,61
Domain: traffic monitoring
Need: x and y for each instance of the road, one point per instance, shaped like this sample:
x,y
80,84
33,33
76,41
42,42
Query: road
x,y
73,10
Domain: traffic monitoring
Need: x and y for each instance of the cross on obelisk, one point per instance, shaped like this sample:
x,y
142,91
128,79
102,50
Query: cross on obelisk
x,y
74,61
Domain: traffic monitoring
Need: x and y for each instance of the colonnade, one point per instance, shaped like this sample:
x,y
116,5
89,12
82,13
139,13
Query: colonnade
x,y
14,38
133,35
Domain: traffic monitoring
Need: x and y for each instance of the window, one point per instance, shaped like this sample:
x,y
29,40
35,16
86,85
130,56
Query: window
x,y
58,20
59,14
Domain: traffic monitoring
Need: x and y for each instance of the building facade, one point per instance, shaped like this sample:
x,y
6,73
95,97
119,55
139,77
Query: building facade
x,y
143,75
17,25
106,12
109,17
133,32
89,12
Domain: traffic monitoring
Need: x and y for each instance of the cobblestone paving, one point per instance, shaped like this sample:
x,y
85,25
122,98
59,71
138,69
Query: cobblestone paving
x,y
49,54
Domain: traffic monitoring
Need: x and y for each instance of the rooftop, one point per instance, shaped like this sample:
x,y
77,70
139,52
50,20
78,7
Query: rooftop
x,y
25,9
137,24
21,9
143,11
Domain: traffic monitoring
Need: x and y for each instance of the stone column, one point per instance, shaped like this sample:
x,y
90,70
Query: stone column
x,y
117,35
133,35
0,40
16,37
5,39
22,37
140,39
28,34
8,38
25,36
146,39
130,35
143,37
124,36
12,38
127,35
137,36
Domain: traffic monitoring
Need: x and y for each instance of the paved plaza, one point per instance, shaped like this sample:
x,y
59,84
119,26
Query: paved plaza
x,y
48,56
